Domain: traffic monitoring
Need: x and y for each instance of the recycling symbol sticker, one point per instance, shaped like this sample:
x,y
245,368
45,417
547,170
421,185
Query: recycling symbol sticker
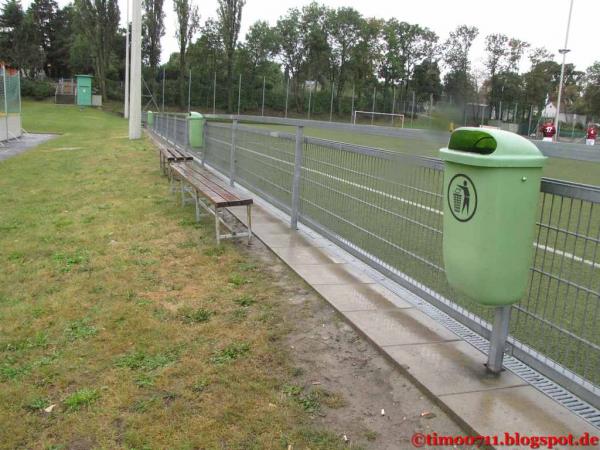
x,y
462,197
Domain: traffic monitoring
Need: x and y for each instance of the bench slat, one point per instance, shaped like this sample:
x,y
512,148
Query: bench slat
x,y
200,185
214,189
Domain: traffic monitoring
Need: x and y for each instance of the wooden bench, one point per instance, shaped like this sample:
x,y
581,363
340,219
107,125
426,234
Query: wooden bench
x,y
168,155
213,194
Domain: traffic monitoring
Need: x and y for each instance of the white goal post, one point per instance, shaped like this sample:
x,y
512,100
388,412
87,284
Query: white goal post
x,y
373,114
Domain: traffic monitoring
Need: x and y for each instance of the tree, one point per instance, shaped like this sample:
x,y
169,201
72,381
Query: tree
x,y
291,48
188,21
458,82
18,45
496,47
344,30
591,93
426,79
43,13
98,21
153,29
406,45
230,19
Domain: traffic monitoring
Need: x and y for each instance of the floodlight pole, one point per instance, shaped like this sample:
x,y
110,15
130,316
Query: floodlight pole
x,y
563,51
126,105
135,101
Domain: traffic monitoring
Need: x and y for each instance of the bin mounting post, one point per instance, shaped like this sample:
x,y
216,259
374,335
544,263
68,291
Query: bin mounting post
x,y
498,339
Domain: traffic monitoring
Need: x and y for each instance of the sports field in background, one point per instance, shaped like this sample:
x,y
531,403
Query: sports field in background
x,y
559,168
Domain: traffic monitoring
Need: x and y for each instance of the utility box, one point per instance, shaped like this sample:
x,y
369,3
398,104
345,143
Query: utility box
x,y
491,193
84,90
196,122
150,119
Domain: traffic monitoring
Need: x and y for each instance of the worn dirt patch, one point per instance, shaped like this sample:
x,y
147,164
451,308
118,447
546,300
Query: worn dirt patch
x,y
347,375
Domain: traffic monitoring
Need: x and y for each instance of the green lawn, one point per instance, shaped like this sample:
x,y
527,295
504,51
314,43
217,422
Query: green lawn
x,y
122,325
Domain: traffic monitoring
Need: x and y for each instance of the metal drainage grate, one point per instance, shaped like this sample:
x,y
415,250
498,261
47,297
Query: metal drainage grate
x,y
534,378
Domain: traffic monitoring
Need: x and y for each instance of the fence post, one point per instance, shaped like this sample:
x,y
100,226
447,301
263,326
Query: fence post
x,y
215,93
262,111
373,108
190,92
352,108
309,100
232,153
239,93
205,146
331,105
430,110
393,103
296,178
287,93
412,112
163,91
498,339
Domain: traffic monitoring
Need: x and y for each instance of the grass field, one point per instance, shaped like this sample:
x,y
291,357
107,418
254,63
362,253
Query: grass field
x,y
121,324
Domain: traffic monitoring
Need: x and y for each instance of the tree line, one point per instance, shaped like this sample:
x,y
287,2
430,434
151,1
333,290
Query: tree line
x,y
338,49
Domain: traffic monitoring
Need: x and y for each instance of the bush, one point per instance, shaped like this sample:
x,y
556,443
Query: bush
x,y
36,88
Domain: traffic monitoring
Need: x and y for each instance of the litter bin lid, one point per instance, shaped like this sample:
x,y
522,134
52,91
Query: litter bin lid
x,y
196,115
488,147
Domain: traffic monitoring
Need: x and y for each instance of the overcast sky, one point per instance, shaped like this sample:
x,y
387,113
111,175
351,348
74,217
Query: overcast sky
x,y
541,23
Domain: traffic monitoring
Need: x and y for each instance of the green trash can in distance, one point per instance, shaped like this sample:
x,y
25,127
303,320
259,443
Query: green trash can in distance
x,y
150,119
196,123
491,191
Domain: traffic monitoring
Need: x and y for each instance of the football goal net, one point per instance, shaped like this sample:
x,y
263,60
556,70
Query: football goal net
x,y
378,118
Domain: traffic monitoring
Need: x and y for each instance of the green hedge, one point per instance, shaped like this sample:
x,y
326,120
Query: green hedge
x,y
36,89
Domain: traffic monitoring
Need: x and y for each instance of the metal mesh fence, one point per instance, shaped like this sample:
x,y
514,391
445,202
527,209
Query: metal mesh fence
x,y
10,103
13,92
218,146
265,163
386,208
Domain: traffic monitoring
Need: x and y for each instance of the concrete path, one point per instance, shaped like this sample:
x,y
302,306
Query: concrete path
x,y
446,368
26,142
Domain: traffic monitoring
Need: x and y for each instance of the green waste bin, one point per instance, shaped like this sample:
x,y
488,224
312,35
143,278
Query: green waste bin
x,y
196,123
150,119
491,191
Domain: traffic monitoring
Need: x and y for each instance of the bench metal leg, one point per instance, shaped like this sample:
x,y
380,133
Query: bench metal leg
x,y
181,188
197,203
217,226
249,214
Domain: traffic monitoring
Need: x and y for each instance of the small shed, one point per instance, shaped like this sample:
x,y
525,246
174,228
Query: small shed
x,y
84,90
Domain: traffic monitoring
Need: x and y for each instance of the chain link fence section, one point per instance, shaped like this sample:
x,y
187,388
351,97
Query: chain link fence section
x,y
385,208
